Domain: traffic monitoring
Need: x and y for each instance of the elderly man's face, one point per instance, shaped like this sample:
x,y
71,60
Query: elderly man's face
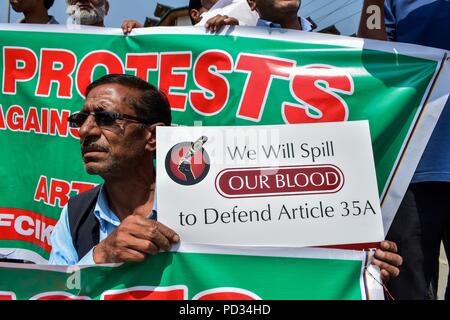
x,y
268,9
113,149
87,12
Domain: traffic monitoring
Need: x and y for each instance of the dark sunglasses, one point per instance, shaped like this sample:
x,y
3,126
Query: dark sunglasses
x,y
102,118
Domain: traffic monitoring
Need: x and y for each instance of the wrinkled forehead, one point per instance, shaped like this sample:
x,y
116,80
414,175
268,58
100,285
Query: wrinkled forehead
x,y
95,3
110,97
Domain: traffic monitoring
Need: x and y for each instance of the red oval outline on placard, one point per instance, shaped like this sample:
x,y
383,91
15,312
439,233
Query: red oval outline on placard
x,y
270,192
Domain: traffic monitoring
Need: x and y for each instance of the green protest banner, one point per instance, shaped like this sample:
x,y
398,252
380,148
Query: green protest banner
x,y
203,273
243,76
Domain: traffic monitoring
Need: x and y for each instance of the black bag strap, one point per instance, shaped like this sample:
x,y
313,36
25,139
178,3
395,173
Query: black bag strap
x,y
84,226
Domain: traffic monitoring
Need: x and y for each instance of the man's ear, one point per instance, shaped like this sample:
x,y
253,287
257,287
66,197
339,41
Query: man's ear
x,y
195,15
151,136
252,4
106,7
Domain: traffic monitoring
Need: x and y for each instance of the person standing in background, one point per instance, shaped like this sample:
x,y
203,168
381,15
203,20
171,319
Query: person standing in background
x,y
423,218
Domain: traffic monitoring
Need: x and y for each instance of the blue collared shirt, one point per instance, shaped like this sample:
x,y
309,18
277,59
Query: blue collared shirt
x,y
63,250
306,25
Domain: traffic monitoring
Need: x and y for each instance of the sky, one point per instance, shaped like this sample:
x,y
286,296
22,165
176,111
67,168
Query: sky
x,y
343,13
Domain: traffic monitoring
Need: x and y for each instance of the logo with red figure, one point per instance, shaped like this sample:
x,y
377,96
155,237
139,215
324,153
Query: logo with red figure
x,y
187,163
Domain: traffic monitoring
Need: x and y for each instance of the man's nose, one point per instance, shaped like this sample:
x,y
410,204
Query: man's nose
x,y
89,127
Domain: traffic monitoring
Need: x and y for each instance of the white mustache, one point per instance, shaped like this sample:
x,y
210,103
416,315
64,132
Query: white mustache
x,y
86,17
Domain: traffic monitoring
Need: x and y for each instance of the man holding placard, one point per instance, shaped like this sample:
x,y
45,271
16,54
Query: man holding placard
x,y
113,222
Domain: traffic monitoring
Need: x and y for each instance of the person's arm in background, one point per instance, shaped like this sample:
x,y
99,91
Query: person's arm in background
x,y
128,25
372,24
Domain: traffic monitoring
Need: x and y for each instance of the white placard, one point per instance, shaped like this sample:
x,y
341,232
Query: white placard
x,y
281,185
